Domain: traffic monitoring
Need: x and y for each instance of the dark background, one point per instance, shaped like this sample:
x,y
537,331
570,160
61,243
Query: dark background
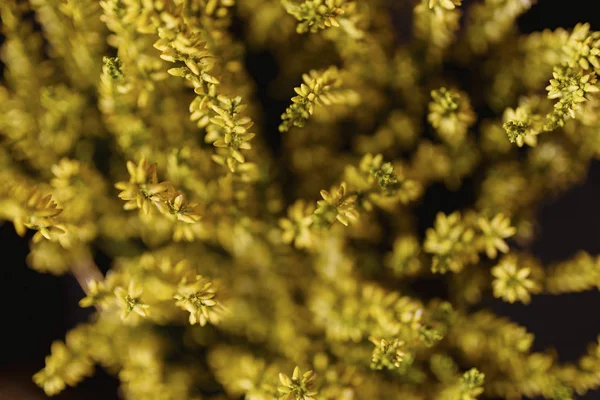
x,y
36,309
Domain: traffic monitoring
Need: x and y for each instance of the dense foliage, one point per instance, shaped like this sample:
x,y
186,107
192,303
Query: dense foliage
x,y
245,269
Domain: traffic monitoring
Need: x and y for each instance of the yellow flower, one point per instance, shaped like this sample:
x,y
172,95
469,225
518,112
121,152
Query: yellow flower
x,y
171,203
388,354
494,233
337,204
521,126
450,242
97,293
450,113
298,387
143,187
198,298
512,283
129,302
296,227
39,213
63,367
447,4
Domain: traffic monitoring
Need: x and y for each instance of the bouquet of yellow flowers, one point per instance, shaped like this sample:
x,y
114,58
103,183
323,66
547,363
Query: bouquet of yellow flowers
x,y
266,248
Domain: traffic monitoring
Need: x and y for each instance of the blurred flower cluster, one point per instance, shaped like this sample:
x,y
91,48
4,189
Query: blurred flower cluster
x,y
244,266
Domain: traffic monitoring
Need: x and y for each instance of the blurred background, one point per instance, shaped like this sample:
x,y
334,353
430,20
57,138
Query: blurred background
x,y
36,309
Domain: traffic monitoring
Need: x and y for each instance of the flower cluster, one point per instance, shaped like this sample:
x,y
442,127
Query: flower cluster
x,y
144,131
